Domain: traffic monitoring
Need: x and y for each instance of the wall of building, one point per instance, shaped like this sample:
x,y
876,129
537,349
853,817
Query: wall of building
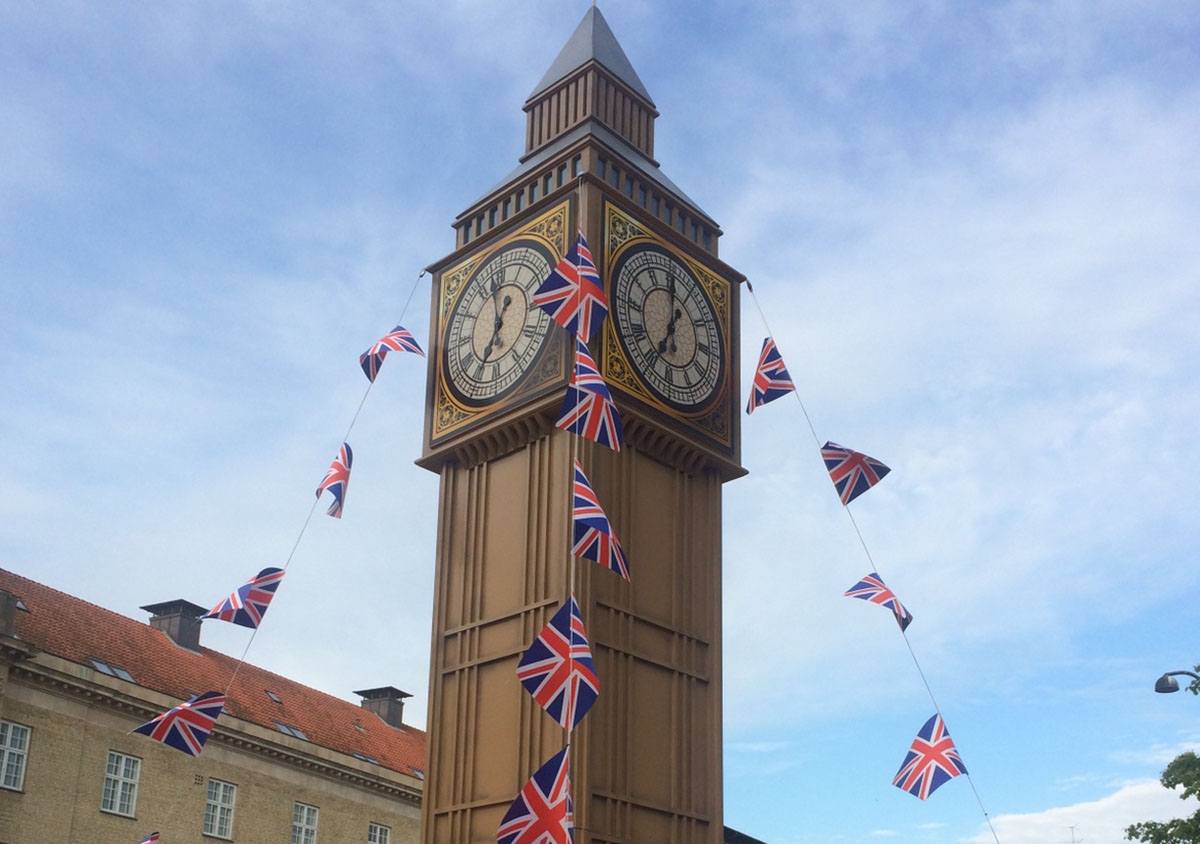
x,y
65,769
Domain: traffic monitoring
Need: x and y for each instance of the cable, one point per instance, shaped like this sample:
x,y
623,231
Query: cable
x,y
874,567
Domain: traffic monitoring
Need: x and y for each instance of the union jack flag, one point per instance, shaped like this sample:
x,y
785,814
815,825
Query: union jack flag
x,y
595,538
399,339
931,761
572,294
771,379
588,409
586,374
248,604
186,727
337,480
591,416
872,588
852,472
543,812
152,838
558,670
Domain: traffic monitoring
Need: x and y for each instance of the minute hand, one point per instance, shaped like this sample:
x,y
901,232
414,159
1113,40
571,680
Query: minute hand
x,y
675,314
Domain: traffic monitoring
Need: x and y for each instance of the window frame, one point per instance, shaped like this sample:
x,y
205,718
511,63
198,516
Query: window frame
x,y
7,751
373,830
217,807
120,779
300,826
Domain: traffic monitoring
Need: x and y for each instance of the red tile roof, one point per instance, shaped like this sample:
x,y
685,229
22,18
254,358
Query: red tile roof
x,y
76,630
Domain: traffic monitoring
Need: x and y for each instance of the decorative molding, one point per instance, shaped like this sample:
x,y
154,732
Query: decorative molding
x,y
448,417
64,685
715,421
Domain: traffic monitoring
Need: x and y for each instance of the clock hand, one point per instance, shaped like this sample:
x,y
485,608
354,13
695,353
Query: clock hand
x,y
497,324
670,335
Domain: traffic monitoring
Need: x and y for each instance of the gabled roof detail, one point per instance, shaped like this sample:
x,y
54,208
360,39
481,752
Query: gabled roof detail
x,y
77,631
592,40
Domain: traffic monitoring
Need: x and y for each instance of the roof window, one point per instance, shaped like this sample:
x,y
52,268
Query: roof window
x,y
364,758
111,670
274,696
289,730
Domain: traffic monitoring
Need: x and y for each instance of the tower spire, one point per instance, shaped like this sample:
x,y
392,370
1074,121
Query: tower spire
x,y
593,40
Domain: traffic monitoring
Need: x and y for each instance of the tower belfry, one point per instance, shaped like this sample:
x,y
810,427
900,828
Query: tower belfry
x,y
646,761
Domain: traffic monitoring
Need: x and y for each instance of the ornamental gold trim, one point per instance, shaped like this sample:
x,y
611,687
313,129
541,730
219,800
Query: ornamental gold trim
x,y
549,228
715,419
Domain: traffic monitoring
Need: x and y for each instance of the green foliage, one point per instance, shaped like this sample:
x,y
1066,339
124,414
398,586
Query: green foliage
x,y
1184,771
1194,688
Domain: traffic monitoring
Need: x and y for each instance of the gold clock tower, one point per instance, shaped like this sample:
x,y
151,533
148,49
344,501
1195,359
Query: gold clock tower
x,y
646,761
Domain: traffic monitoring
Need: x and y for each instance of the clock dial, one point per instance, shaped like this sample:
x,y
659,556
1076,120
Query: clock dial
x,y
494,333
667,327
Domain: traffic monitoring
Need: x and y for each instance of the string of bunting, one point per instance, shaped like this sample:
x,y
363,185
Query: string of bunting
x,y
557,669
187,726
932,759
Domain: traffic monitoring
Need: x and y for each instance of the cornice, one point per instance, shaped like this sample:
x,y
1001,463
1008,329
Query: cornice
x,y
57,682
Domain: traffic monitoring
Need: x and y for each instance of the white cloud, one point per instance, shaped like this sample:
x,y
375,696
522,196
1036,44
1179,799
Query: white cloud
x,y
1100,821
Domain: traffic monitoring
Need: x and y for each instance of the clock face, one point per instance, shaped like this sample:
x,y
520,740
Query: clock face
x,y
494,333
667,327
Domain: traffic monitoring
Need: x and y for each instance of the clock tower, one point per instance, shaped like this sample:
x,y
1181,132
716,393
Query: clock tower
x,y
646,761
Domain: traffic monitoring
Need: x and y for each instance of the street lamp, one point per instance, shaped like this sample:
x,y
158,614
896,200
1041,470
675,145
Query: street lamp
x,y
1167,682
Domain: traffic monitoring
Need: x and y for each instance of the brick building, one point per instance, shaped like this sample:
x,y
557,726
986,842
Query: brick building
x,y
284,759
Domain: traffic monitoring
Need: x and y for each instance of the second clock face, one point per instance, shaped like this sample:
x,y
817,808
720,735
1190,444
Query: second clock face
x,y
494,332
667,326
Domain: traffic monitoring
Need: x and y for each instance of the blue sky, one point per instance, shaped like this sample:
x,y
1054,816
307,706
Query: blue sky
x,y
974,226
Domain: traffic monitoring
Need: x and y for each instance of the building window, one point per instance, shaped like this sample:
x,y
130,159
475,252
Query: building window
x,y
507,209
479,225
576,165
708,240
377,833
654,205
548,184
614,176
218,809
111,670
520,200
629,186
602,168
304,824
289,730
120,784
642,195
533,192
562,175
695,231
492,219
14,746
466,230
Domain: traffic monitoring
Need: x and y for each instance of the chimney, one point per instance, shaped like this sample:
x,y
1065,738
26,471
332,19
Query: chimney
x,y
9,605
179,619
387,702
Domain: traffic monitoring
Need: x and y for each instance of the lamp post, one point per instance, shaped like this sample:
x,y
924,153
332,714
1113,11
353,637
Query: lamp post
x,y
1167,682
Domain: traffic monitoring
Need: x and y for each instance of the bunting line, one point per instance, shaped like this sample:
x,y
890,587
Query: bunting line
x,y
291,554
870,559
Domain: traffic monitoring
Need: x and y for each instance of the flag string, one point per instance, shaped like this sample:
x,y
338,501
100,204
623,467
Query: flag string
x,y
312,509
572,457
304,526
870,559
